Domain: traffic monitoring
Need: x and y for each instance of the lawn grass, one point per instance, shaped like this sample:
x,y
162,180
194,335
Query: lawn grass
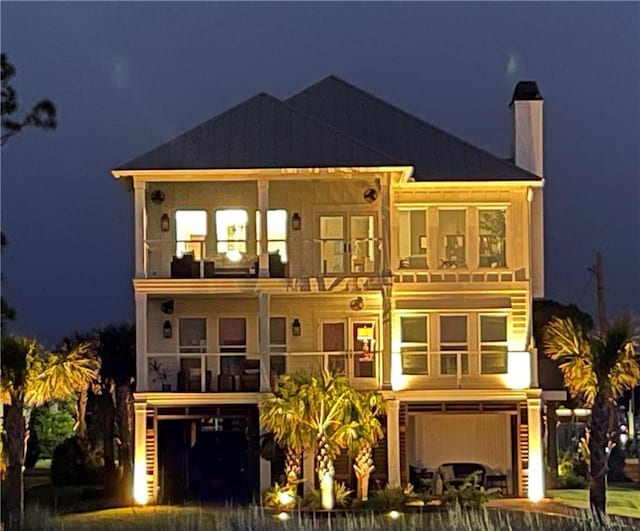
x,y
161,518
621,501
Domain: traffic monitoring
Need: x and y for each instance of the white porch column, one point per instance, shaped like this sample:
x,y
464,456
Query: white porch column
x,y
265,341
141,341
140,488
536,462
263,207
385,208
140,227
393,441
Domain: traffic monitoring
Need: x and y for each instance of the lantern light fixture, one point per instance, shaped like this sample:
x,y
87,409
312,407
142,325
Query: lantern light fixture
x,y
296,221
296,327
167,330
165,223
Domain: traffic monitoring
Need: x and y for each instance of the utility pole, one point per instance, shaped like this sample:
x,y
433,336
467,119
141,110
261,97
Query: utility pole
x,y
598,271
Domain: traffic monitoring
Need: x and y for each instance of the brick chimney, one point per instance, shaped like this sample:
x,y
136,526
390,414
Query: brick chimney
x,y
527,121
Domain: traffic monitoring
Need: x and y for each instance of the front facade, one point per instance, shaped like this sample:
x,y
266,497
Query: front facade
x,y
334,230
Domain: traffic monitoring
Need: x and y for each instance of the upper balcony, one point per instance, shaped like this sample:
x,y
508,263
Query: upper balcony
x,y
240,258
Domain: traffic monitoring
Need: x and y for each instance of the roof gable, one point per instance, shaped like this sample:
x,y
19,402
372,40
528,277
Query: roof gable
x,y
435,154
261,132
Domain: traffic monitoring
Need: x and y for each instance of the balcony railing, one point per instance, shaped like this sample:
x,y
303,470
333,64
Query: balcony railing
x,y
242,372
452,368
239,259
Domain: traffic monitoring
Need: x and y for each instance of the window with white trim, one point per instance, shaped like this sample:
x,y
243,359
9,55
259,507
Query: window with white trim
x,y
492,238
412,241
452,241
192,334
415,344
191,232
277,223
231,232
454,344
232,337
493,344
277,347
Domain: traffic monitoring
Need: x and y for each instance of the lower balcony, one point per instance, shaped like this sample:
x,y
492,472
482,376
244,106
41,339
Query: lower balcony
x,y
228,372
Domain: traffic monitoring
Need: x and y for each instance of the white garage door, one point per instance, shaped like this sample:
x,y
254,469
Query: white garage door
x,y
484,438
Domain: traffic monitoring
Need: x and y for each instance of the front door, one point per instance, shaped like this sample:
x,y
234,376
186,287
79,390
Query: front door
x,y
347,244
350,347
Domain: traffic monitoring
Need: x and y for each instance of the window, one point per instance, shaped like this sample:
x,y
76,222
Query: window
x,y
191,232
278,344
492,238
493,344
332,244
415,345
364,349
192,334
453,338
413,239
232,337
452,226
276,233
231,233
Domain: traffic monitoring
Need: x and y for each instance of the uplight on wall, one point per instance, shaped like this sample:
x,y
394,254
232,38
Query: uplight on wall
x,y
165,223
518,370
167,330
296,327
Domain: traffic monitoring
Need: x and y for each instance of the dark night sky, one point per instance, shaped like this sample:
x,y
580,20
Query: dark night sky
x,y
127,77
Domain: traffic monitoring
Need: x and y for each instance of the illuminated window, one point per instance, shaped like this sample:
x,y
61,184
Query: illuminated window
x,y
191,232
451,227
453,340
492,238
415,344
493,344
231,232
276,233
413,239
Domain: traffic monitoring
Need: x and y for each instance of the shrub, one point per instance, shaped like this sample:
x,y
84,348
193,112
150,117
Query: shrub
x,y
76,461
571,472
470,493
281,497
341,492
50,425
390,498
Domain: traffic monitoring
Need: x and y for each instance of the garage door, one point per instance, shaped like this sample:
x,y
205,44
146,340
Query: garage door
x,y
484,438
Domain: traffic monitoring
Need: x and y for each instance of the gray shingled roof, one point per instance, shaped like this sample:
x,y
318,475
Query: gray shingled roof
x,y
435,154
331,123
261,132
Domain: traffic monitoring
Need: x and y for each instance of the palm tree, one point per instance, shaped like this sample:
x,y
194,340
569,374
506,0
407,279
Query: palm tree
x,y
280,414
30,378
82,354
117,348
598,367
368,431
329,413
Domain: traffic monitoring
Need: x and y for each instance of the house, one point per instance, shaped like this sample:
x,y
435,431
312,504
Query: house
x,y
332,229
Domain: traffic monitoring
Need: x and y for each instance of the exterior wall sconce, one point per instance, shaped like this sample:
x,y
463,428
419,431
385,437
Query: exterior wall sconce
x,y
296,221
165,223
157,196
296,327
167,331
